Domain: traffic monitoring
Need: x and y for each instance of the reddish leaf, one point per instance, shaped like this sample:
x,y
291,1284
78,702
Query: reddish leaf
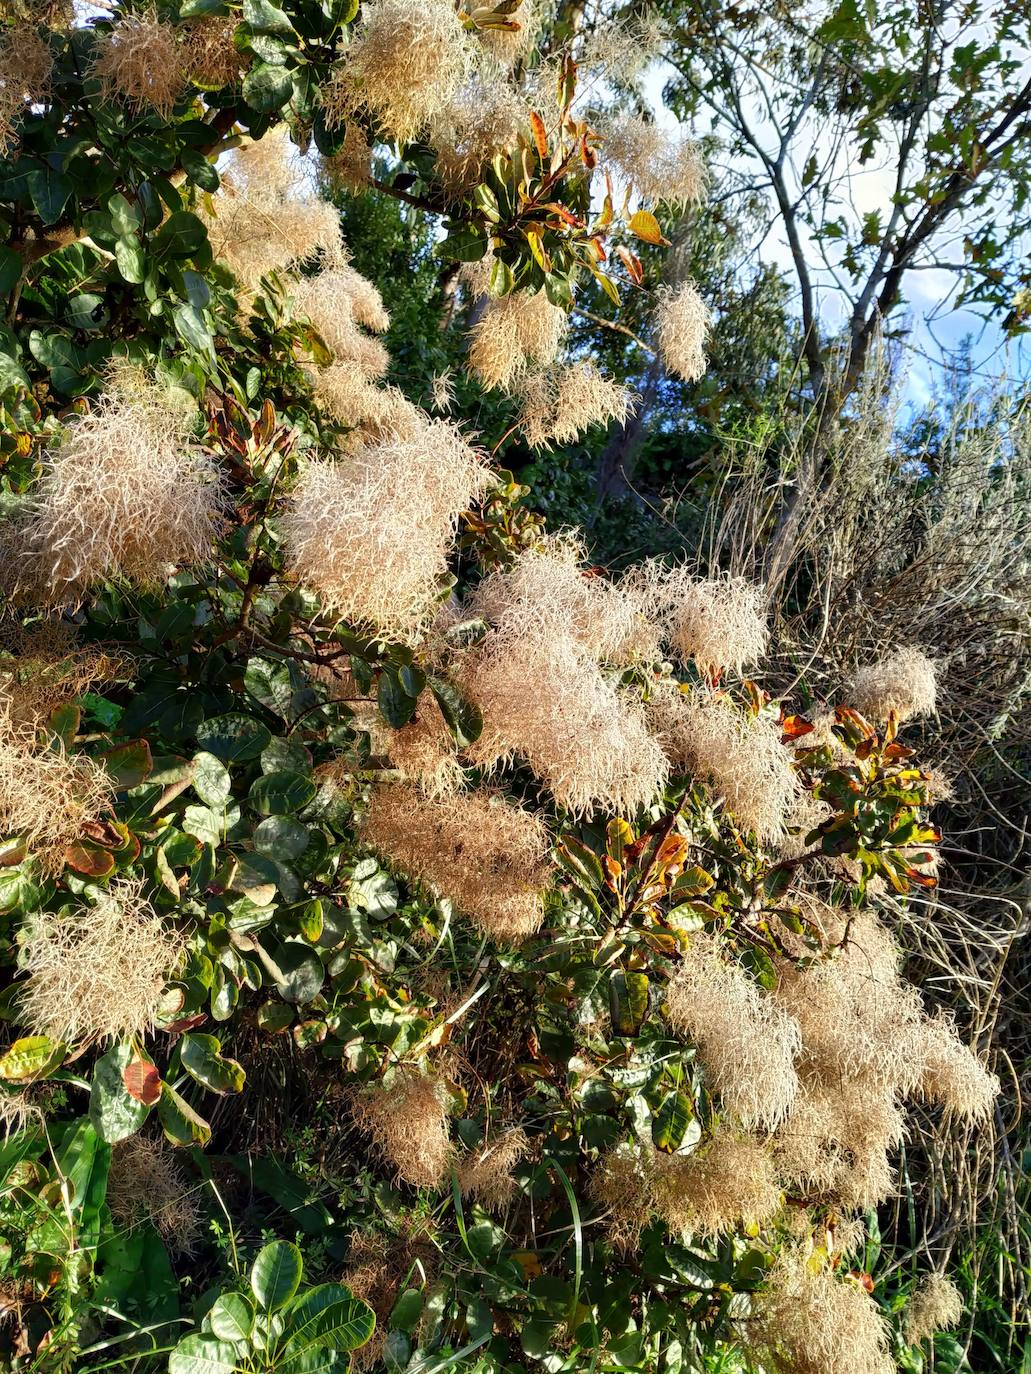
x,y
186,1024
540,135
142,1081
794,727
86,856
632,263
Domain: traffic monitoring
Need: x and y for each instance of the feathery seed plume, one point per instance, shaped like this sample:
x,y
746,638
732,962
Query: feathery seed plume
x,y
403,66
680,321
488,857
424,750
809,1321
407,1118
746,1042
950,1072
559,405
26,63
720,622
485,1174
482,118
147,1183
142,62
211,57
122,494
98,972
660,165
621,1184
508,47
936,1305
724,1184
338,299
903,683
512,332
351,165
371,533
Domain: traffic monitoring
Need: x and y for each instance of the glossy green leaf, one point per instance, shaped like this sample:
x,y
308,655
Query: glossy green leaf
x,y
276,1275
202,1058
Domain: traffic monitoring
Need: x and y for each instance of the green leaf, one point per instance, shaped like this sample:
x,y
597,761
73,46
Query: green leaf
x,y
202,1355
181,236
114,1113
200,171
298,971
30,1058
232,1317
128,764
125,218
465,242
190,326
130,259
670,1122
233,738
628,1001
281,837
396,706
87,310
267,88
179,1121
276,1275
264,17
580,862
463,717
211,780
202,1058
328,1315
50,190
10,269
255,876
407,1310
280,793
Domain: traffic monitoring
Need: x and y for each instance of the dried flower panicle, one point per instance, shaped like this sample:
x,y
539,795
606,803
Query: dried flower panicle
x,y
903,684
98,972
680,322
558,405
621,1185
212,59
336,301
407,1118
936,1305
508,47
122,495
485,1174
489,858
350,167
424,750
659,164
807,1320
141,62
267,215
47,797
951,1074
746,1041
147,1184
484,117
374,412
738,755
511,333
402,67
371,532
42,667
720,622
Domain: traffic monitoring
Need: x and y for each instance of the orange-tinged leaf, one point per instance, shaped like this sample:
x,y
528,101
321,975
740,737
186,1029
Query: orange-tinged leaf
x,y
537,249
632,263
794,727
142,1081
540,135
644,224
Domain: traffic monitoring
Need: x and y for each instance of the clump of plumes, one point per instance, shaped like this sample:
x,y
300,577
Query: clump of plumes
x,y
483,118
124,495
98,972
407,1118
619,51
485,1174
26,63
212,58
141,61
746,1042
423,751
950,1072
266,214
350,166
336,301
443,391
47,796
680,322
557,406
42,667
584,737
486,856
621,1184
739,755
660,165
806,1320
903,684
724,1184
519,329
804,815
147,1184
936,1305
371,533
403,66
508,46
719,622
18,1111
